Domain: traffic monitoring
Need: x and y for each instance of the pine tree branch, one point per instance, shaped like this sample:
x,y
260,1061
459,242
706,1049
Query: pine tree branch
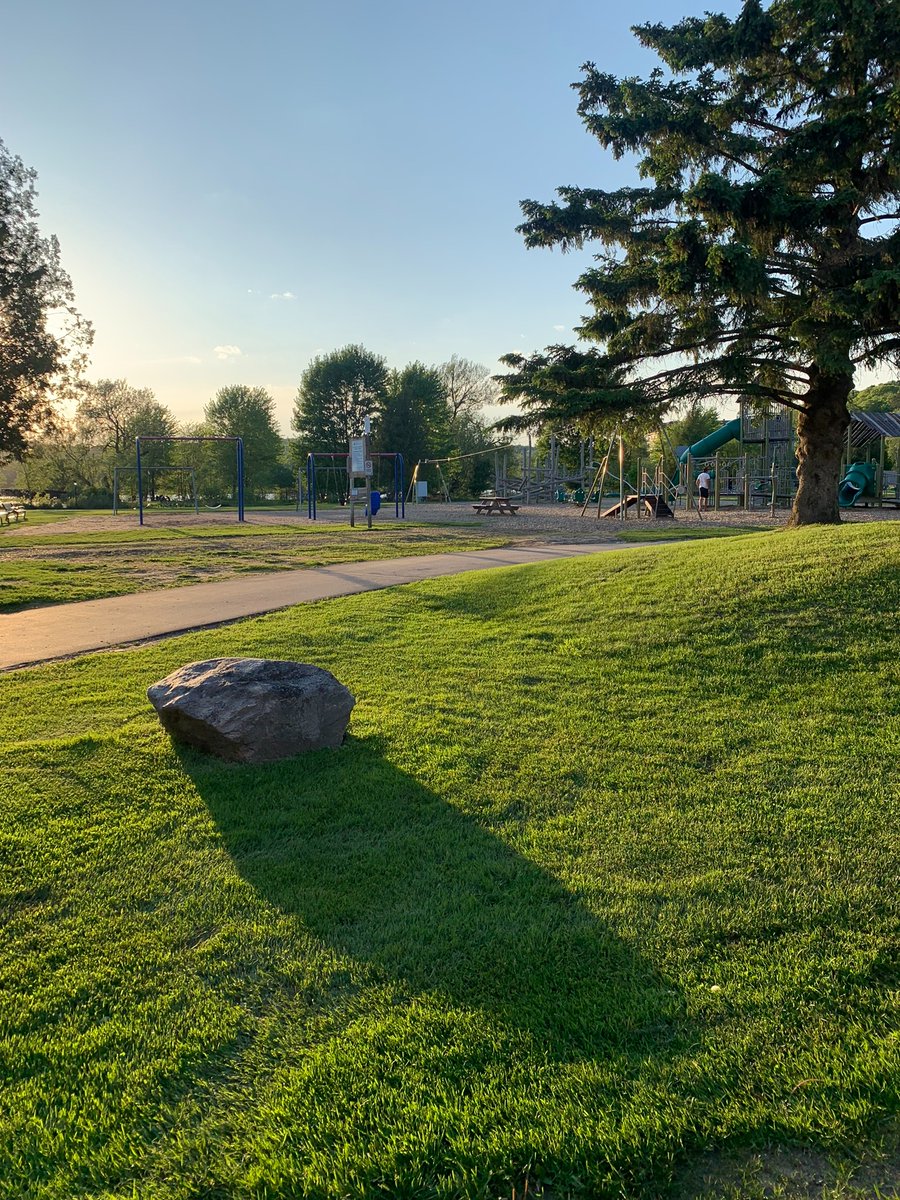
x,y
889,346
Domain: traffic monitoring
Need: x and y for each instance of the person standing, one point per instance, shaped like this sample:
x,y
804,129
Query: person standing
x,y
704,482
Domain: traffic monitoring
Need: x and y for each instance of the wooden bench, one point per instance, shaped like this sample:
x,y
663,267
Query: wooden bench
x,y
12,512
496,504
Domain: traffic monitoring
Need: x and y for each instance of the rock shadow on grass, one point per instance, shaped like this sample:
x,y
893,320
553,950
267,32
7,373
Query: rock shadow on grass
x,y
385,870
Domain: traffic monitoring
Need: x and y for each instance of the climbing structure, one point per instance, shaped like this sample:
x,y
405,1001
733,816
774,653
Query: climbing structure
x,y
865,480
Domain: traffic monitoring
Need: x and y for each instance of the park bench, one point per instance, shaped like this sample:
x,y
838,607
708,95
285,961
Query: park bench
x,y
12,512
496,504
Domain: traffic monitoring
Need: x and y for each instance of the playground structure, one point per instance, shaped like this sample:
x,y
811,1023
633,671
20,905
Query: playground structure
x,y
523,474
157,437
764,468
763,474
340,472
864,480
766,462
183,472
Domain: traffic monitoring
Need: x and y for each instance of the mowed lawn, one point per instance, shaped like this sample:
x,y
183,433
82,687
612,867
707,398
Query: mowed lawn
x,y
59,566
600,896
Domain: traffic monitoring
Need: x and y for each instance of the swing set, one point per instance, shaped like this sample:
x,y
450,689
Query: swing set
x,y
158,437
412,491
335,471
187,475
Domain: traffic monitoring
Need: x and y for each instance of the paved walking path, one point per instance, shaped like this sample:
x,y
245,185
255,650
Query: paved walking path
x,y
61,631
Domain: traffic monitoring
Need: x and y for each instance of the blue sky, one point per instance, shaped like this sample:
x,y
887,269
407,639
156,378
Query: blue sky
x,y
239,187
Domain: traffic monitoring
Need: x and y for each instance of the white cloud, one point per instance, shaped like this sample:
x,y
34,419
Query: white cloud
x,y
559,328
282,296
226,353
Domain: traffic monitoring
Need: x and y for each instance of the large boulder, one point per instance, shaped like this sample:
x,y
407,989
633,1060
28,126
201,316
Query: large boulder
x,y
253,709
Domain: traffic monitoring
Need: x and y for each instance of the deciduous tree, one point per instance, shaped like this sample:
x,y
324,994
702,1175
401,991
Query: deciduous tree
x,y
880,397
106,413
61,462
468,386
336,392
473,471
247,413
43,339
762,257
111,414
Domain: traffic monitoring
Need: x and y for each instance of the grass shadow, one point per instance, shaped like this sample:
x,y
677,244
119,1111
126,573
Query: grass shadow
x,y
385,870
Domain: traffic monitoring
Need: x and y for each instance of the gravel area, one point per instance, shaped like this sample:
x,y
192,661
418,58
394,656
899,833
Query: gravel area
x,y
532,523
563,522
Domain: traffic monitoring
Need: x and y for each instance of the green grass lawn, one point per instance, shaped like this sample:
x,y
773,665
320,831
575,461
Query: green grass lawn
x,y
658,532
601,894
52,516
61,566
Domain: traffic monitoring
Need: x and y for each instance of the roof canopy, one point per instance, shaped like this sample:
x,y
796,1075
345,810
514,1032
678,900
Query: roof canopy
x,y
867,426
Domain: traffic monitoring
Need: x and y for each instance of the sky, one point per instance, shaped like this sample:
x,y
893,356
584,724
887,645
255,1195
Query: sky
x,y
240,187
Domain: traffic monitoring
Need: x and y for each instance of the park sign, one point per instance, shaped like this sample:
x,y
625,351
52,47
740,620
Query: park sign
x,y
357,457
359,466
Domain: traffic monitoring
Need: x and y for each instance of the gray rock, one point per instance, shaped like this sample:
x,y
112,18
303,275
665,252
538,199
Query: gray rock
x,y
253,709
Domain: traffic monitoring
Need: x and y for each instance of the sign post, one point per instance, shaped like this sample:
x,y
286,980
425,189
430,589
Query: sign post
x,y
359,467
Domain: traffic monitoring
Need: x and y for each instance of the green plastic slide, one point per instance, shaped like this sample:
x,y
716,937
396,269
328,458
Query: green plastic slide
x,y
858,481
709,444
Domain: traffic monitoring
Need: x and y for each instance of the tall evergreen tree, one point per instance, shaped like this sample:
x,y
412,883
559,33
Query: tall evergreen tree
x,y
762,259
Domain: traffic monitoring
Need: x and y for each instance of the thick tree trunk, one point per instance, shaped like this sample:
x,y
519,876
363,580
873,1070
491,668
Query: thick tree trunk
x,y
821,431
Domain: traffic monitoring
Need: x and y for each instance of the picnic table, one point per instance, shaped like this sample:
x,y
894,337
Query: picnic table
x,y
496,504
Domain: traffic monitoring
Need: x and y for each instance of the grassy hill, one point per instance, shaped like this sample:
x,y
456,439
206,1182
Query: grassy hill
x,y
604,881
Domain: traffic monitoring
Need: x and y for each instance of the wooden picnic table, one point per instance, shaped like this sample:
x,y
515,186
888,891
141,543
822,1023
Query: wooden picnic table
x,y
496,504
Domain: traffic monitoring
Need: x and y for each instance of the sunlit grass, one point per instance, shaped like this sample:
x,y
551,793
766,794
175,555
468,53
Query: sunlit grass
x,y
61,566
50,516
662,532
603,879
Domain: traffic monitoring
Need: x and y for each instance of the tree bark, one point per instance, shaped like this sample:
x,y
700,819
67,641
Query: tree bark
x,y
821,433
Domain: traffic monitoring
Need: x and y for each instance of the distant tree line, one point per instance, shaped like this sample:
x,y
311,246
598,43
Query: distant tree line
x,y
422,412
418,411
77,457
